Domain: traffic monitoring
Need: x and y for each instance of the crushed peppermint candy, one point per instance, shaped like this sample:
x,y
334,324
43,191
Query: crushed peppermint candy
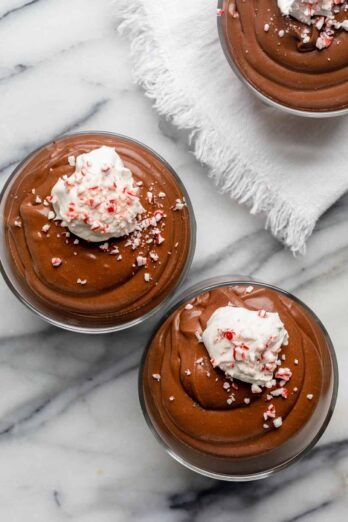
x,y
147,277
226,385
249,289
310,396
284,374
280,392
46,227
51,215
156,377
188,372
189,306
198,336
72,161
278,422
141,261
172,398
270,413
179,204
56,261
247,400
81,281
255,388
18,223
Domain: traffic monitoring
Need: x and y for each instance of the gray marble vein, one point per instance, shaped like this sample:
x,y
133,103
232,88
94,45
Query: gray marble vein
x,y
73,443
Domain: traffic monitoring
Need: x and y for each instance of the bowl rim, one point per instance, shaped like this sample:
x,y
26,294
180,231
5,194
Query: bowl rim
x,y
267,100
187,295
186,268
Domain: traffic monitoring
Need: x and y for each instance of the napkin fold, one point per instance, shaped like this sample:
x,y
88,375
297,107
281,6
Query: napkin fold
x,y
290,168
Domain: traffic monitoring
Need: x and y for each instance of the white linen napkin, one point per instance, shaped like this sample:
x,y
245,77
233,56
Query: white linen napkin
x,y
289,167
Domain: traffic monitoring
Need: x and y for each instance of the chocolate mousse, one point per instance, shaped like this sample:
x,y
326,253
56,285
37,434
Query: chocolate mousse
x,y
294,53
98,231
238,380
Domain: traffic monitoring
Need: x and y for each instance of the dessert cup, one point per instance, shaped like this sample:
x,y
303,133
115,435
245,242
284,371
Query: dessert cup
x,y
115,302
226,46
181,412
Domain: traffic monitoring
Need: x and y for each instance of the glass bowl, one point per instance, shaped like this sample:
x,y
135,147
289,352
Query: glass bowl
x,y
155,404
265,99
90,321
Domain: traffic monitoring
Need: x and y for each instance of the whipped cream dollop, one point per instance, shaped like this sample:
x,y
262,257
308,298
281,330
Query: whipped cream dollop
x,y
305,10
245,344
100,199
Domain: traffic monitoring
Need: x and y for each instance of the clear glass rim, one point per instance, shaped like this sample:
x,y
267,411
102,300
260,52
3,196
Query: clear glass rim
x,y
189,294
260,95
138,320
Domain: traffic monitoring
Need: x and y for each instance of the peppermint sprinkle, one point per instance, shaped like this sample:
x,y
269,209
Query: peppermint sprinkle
x,y
45,228
141,261
220,12
149,196
56,261
162,195
278,422
262,313
156,377
188,372
296,362
249,289
18,223
310,396
281,33
270,413
179,205
247,400
81,281
284,374
200,361
255,388
154,256
266,28
147,277
172,398
199,336
227,386
266,426
104,247
51,215
71,161
189,306
38,200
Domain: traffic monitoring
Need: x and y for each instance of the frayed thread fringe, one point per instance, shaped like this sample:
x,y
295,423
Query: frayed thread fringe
x,y
230,173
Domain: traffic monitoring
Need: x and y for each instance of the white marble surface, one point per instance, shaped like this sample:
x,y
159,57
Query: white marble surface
x,y
73,443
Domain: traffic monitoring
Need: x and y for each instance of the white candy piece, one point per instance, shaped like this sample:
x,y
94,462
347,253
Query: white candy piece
x,y
244,344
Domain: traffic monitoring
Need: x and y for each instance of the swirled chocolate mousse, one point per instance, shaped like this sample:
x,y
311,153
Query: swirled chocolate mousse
x,y
293,52
238,379
98,230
